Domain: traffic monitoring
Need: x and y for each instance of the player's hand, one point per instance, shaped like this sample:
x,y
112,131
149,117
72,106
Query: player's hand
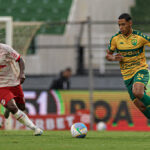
x,y
22,77
118,57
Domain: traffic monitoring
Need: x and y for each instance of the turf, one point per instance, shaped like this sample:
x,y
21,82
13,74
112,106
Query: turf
x,y
62,140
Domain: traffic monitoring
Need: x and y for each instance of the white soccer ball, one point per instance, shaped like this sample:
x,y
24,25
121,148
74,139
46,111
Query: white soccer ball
x,y
101,126
78,130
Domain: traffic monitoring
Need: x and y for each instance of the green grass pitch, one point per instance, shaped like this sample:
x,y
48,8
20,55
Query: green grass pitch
x,y
62,140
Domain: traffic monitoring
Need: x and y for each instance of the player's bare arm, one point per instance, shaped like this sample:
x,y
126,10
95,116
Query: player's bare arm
x,y
111,57
22,68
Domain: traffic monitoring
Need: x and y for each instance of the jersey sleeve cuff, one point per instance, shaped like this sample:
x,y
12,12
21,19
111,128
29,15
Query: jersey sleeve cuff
x,y
18,58
111,50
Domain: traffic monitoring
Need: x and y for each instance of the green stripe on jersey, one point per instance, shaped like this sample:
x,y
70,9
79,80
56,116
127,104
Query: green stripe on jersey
x,y
130,52
112,38
142,35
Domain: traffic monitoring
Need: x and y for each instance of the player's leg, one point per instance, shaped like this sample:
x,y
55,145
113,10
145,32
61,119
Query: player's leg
x,y
20,106
20,102
139,105
138,90
22,117
139,86
7,100
6,113
133,92
142,107
19,99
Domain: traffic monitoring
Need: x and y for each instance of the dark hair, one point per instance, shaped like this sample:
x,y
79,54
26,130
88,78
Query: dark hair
x,y
68,69
125,16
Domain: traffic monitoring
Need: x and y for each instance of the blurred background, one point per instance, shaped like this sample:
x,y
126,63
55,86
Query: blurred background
x,y
53,35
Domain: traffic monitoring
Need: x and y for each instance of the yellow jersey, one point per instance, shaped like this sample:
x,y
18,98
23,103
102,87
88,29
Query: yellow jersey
x,y
133,52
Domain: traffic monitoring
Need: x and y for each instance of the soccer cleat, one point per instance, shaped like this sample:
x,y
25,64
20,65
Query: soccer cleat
x,y
38,132
6,113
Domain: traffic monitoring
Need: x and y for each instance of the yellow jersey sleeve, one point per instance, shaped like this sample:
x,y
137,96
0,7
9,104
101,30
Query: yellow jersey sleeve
x,y
146,40
147,43
112,46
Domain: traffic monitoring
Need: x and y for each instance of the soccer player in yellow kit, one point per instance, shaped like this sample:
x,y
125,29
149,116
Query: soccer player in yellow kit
x,y
130,52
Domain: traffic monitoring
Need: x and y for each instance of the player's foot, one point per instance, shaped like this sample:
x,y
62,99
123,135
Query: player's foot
x,y
38,132
6,113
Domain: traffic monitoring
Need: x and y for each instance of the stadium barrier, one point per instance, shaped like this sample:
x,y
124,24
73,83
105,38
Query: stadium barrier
x,y
47,108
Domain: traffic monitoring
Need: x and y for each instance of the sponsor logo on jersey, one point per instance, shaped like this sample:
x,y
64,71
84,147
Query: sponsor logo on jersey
x,y
2,66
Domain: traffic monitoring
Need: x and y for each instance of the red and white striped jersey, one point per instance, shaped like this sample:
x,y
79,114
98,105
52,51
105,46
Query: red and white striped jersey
x,y
9,67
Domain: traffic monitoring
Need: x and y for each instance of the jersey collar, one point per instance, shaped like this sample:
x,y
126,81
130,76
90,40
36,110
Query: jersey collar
x,y
127,37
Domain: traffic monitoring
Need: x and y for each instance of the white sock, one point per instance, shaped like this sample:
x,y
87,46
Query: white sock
x,y
23,118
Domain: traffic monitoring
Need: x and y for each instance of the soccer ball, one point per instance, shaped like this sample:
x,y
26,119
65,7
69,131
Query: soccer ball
x,y
78,130
101,126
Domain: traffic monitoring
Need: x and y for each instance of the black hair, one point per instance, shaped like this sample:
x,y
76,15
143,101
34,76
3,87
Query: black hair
x,y
125,16
68,69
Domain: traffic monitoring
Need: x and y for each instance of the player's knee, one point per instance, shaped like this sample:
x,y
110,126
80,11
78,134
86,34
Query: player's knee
x,y
140,105
12,107
138,93
142,108
21,107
